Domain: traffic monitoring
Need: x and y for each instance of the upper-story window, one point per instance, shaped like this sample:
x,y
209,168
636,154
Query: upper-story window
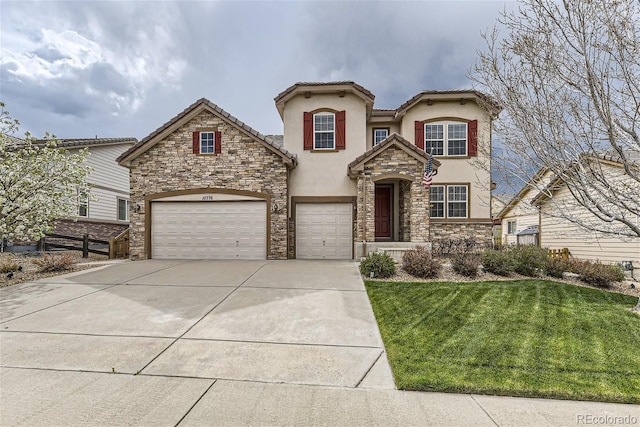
x,y
324,131
446,138
379,135
207,142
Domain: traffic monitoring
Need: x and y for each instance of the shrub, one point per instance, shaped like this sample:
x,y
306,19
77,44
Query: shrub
x,y
555,267
54,262
381,264
529,260
418,262
466,265
498,262
598,274
8,265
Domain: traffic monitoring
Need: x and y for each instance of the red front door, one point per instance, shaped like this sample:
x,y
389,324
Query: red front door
x,y
383,212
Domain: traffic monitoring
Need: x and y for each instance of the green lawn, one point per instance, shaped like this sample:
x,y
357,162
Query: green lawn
x,y
519,338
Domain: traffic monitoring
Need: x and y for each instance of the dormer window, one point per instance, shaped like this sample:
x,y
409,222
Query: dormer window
x,y
324,131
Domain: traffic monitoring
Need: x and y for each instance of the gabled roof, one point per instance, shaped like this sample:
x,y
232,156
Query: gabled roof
x,y
447,95
188,114
308,88
528,186
393,140
91,142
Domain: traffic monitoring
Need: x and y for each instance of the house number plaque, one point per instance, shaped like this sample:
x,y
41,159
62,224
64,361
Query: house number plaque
x,y
207,198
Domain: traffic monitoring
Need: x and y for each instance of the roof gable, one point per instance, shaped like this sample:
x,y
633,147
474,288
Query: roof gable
x,y
309,88
186,116
462,96
393,140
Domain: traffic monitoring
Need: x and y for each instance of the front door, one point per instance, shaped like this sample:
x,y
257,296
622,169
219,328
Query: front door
x,y
383,212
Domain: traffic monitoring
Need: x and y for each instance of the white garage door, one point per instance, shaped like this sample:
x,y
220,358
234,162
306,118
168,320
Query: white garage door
x,y
209,230
324,230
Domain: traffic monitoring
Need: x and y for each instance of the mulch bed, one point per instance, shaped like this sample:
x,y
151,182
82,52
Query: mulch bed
x,y
448,275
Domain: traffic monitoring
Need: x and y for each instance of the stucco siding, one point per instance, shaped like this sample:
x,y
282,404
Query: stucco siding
x,y
470,170
324,173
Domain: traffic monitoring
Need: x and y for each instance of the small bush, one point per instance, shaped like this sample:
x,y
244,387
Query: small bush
x,y
467,266
54,262
598,274
498,262
8,265
418,262
529,260
555,267
381,264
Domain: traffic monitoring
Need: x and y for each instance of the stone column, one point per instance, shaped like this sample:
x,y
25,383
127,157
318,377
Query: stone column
x,y
419,212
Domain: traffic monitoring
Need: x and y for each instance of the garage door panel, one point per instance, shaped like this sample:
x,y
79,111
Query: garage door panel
x,y
324,230
209,230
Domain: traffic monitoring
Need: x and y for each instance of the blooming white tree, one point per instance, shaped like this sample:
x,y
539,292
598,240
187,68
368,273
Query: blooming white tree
x,y
39,182
567,74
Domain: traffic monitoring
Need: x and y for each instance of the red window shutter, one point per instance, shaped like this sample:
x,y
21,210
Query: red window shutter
x,y
420,135
341,142
196,142
308,131
218,142
472,138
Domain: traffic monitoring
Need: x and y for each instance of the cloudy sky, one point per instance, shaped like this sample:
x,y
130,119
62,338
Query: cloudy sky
x,y
123,68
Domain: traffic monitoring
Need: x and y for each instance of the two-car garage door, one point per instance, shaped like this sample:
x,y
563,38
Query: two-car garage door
x,y
209,230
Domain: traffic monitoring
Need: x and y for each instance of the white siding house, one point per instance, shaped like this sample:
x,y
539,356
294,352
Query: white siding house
x,y
519,216
558,232
106,212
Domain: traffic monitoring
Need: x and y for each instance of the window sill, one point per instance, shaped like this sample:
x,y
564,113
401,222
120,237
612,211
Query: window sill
x,y
207,154
322,150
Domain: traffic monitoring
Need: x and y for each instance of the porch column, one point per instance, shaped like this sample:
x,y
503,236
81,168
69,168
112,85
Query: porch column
x,y
419,224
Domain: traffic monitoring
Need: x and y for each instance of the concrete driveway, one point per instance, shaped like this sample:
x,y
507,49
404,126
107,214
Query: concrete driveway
x,y
218,343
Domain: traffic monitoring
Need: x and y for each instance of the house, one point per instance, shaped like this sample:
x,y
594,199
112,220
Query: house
x,y
520,220
104,212
558,206
345,178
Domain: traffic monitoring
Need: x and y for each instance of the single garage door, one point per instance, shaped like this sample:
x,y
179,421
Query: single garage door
x,y
209,230
324,230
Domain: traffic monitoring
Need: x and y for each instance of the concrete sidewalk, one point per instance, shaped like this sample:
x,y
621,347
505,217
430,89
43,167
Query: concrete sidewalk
x,y
224,343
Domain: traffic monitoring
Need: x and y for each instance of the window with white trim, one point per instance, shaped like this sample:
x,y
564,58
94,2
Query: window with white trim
x,y
379,135
207,142
324,131
511,227
448,201
123,210
83,204
457,196
436,198
446,138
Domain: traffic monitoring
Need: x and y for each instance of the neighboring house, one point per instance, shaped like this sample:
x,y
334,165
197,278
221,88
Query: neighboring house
x,y
345,178
557,232
104,212
521,220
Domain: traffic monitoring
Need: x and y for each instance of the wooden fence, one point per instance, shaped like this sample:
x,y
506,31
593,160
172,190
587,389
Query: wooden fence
x,y
116,247
560,253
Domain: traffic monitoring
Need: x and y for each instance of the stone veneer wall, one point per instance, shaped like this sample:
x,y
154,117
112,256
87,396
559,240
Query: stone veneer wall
x,y
394,160
95,229
244,164
481,231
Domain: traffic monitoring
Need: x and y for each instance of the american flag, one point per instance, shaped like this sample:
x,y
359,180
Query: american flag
x,y
427,178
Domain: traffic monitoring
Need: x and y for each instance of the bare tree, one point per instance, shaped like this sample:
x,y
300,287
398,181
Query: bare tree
x,y
567,74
